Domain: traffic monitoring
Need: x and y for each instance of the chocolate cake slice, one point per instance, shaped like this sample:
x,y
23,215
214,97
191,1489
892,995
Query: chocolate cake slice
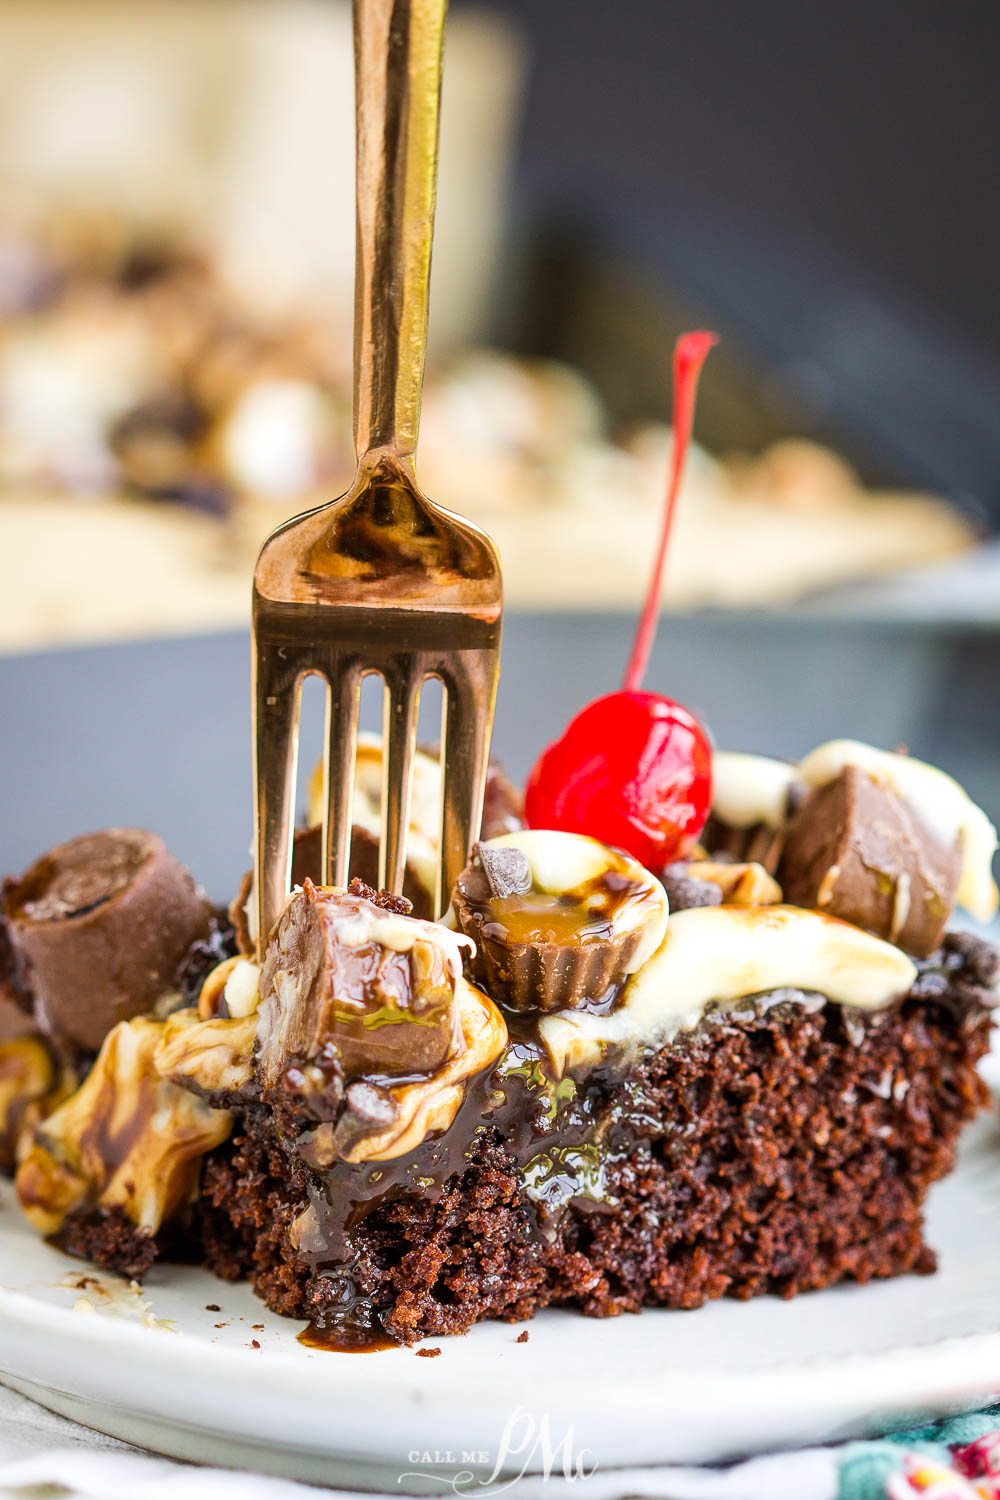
x,y
590,1086
674,1149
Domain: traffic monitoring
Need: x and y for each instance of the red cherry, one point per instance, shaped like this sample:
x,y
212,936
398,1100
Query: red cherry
x,y
633,770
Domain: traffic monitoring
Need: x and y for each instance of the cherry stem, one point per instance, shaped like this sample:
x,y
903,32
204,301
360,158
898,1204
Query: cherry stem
x,y
690,353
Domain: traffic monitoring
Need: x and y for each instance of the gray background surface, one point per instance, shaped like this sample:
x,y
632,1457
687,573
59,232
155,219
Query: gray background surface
x,y
158,733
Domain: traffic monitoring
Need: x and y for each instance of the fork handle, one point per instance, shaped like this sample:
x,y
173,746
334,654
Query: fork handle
x,y
397,71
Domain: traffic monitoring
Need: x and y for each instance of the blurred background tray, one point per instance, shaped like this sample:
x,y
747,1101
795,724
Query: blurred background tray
x,y
176,248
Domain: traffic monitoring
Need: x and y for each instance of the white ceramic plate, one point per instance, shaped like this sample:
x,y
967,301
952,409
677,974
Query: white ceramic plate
x,y
160,1369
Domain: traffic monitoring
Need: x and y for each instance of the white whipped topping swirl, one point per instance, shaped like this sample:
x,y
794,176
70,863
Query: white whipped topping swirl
x,y
750,789
720,954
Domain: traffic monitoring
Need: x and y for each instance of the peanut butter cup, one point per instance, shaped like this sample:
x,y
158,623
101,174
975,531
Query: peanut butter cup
x,y
559,920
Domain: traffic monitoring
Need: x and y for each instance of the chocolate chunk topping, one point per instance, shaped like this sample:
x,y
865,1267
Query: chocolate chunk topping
x,y
203,956
506,869
368,1110
344,972
113,909
77,878
684,890
858,851
981,960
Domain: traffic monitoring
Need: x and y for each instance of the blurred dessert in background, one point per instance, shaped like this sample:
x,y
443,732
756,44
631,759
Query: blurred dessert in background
x,y
176,270
135,378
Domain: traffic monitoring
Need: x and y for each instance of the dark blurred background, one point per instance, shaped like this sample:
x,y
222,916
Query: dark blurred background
x,y
817,182
820,178
866,130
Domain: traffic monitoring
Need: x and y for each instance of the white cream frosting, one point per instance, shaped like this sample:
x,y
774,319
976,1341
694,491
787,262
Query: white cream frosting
x,y
944,808
242,989
563,861
720,954
749,789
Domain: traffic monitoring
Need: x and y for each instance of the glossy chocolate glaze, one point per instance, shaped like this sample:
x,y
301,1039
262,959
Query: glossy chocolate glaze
x,y
345,1340
550,1128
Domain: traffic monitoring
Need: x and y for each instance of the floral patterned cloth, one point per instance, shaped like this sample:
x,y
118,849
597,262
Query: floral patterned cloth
x,y
958,1459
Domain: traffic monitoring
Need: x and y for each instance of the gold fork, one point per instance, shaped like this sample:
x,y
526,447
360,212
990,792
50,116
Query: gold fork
x,y
381,580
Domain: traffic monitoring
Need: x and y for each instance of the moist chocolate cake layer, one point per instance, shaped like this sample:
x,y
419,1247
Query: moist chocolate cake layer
x,y
778,1148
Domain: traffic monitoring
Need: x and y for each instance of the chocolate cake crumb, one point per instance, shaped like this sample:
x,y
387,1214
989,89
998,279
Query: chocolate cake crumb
x,y
212,1307
254,1343
385,899
111,1241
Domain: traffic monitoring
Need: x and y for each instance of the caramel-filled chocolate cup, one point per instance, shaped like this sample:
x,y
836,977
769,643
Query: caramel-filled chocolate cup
x,y
100,925
591,952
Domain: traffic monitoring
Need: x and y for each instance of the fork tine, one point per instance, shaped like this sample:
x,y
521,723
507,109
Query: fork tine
x,y
276,751
344,679
399,740
468,723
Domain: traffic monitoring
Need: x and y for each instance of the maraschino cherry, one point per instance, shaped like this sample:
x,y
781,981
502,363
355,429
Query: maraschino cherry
x,y
634,769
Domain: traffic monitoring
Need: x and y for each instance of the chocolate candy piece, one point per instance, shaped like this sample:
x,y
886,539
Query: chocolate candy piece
x,y
569,934
377,985
856,850
368,1110
506,868
685,890
101,925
